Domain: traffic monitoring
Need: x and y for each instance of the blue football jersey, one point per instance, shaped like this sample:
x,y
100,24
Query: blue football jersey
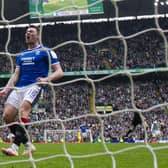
x,y
83,129
34,63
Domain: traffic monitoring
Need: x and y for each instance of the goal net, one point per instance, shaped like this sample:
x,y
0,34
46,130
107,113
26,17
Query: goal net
x,y
113,69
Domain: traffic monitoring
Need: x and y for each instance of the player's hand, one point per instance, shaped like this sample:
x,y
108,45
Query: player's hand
x,y
41,80
3,93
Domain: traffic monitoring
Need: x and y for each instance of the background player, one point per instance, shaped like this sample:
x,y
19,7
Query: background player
x,y
136,121
31,67
156,132
83,132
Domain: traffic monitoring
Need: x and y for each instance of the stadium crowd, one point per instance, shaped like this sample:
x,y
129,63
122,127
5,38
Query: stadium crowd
x,y
71,103
145,50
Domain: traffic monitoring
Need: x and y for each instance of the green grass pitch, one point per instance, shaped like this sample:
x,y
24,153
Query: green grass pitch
x,y
54,5
134,158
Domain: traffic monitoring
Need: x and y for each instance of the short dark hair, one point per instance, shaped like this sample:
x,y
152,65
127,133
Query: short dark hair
x,y
35,27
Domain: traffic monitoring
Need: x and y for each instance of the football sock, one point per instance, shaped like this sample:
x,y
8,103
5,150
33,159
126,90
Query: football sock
x,y
20,133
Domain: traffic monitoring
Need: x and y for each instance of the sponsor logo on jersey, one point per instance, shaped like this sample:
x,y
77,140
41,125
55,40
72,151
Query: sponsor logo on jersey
x,y
28,61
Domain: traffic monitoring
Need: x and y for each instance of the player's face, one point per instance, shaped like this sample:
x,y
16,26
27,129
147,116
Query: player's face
x,y
31,36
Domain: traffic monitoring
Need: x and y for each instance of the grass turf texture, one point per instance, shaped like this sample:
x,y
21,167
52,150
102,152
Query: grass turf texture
x,y
58,4
135,158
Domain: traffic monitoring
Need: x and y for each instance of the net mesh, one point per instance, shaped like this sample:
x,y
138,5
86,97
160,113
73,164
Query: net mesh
x,y
93,90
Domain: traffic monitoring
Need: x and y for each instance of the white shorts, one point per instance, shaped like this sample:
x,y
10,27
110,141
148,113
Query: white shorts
x,y
17,96
84,134
156,133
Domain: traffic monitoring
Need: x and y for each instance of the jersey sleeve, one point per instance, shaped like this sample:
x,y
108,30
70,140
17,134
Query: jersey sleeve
x,y
18,61
54,58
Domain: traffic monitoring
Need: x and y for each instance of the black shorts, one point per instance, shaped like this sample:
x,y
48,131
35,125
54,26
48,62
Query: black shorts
x,y
137,119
